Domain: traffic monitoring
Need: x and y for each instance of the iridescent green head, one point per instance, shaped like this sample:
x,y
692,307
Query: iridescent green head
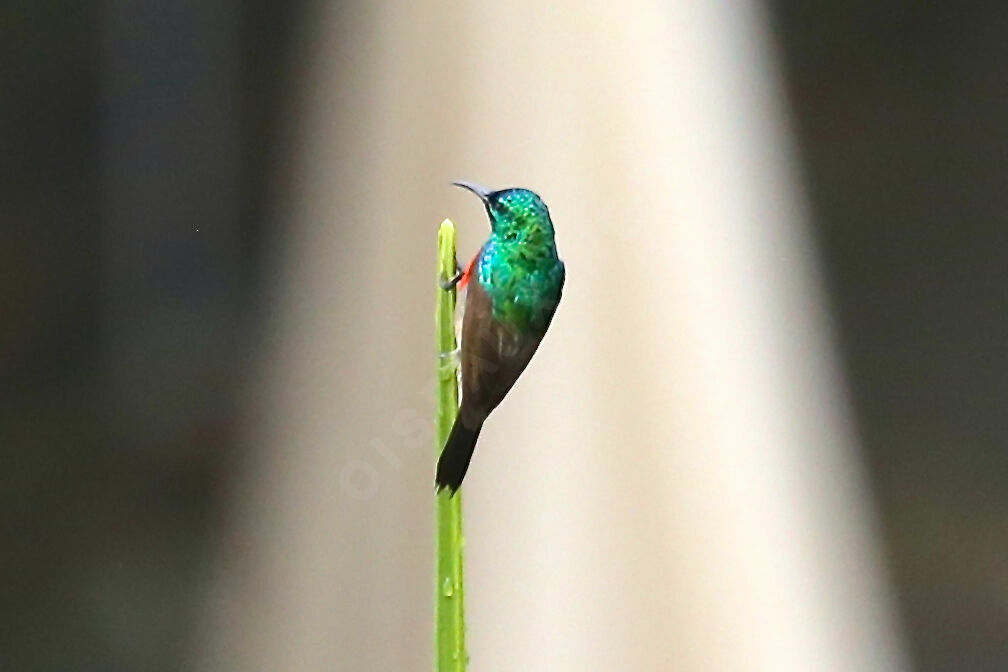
x,y
514,212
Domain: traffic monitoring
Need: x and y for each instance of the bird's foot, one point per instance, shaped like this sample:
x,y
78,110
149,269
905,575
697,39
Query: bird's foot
x,y
448,283
450,361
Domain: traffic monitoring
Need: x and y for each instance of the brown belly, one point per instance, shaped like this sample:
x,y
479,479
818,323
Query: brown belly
x,y
494,354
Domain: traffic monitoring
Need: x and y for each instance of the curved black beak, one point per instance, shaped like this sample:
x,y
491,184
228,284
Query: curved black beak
x,y
482,192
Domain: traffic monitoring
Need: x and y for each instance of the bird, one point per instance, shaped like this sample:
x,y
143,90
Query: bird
x,y
513,287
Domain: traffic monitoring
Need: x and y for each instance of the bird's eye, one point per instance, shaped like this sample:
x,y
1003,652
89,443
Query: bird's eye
x,y
511,236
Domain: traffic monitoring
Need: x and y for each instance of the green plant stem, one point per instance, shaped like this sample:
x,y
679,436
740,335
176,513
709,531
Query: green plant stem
x,y
449,607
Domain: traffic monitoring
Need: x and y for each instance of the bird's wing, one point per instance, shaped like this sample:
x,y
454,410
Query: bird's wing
x,y
494,354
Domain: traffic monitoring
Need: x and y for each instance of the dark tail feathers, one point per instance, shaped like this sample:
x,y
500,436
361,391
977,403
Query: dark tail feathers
x,y
454,461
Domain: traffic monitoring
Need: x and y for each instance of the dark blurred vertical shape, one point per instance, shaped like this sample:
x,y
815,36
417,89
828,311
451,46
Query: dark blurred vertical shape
x,y
172,190
49,410
124,128
171,162
901,114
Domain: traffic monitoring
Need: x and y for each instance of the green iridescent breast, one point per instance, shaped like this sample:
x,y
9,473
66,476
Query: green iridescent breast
x,y
524,291
518,267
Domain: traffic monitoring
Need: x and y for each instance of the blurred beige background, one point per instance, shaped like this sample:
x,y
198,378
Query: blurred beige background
x,y
216,257
673,484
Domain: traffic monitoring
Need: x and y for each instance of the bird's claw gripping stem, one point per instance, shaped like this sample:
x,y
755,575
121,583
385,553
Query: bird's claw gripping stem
x,y
447,283
450,361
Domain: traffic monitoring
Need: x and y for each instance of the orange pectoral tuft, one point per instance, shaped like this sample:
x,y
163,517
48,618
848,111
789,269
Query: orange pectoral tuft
x,y
468,272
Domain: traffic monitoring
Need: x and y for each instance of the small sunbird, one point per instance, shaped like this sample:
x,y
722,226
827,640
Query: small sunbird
x,y
513,287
